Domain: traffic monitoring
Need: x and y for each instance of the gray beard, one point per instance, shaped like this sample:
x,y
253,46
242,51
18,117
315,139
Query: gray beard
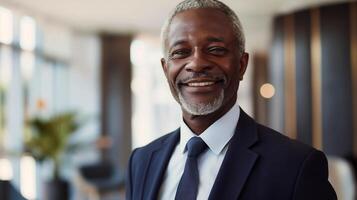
x,y
201,108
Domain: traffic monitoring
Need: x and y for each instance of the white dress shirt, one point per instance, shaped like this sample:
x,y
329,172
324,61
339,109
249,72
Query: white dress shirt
x,y
217,137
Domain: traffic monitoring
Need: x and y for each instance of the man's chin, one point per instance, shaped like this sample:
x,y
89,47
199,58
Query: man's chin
x,y
201,108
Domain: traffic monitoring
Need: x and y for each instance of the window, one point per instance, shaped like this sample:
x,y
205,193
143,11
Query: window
x,y
6,26
31,83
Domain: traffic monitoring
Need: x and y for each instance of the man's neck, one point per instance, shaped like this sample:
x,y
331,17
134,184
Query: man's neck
x,y
199,123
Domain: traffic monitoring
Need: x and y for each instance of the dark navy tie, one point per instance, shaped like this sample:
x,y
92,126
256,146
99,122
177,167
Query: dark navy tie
x,y
188,186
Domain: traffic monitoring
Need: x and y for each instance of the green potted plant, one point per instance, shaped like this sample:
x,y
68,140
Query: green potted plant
x,y
48,140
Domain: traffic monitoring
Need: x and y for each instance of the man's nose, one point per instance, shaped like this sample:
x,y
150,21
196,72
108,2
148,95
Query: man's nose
x,y
198,62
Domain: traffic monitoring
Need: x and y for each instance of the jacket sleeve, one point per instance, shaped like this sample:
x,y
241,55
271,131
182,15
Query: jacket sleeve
x,y
312,181
129,178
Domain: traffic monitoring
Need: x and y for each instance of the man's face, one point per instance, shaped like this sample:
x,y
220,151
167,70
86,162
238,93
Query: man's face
x,y
203,65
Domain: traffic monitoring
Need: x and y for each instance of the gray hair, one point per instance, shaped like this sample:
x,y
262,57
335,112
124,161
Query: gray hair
x,y
196,4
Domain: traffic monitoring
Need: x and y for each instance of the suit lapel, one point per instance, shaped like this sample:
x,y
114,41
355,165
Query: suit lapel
x,y
238,162
157,164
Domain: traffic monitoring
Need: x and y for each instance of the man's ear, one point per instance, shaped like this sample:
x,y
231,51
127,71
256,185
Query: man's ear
x,y
243,64
164,66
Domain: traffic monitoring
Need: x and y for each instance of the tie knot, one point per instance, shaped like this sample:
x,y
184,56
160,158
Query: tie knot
x,y
195,146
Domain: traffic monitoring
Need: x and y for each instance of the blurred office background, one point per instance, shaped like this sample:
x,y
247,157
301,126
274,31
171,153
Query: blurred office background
x,y
101,61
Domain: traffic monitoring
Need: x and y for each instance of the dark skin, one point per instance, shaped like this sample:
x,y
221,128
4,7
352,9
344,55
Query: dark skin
x,y
202,48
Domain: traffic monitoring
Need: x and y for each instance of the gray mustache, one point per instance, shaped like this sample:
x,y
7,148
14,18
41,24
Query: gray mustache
x,y
202,75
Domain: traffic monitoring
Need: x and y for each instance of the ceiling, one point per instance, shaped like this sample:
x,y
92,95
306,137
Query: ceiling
x,y
137,15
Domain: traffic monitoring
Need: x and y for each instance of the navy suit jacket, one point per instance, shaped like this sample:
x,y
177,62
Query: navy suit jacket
x,y
260,164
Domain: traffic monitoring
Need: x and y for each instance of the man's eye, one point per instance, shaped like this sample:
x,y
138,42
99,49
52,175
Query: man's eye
x,y
219,51
181,53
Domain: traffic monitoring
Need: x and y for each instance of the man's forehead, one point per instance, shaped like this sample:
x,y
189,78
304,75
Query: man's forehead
x,y
203,17
211,24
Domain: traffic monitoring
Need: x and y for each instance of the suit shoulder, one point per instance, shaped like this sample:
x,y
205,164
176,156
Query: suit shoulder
x,y
275,142
288,156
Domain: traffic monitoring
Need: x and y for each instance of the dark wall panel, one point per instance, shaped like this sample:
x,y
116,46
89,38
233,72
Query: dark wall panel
x,y
303,76
259,78
116,97
336,80
276,77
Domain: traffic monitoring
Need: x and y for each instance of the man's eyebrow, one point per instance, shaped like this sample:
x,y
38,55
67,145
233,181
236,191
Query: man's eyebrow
x,y
178,42
215,39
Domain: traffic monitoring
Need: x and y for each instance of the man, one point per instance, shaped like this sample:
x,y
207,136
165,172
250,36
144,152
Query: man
x,y
219,152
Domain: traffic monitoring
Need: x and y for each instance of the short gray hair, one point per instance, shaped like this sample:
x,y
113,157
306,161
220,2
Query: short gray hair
x,y
196,4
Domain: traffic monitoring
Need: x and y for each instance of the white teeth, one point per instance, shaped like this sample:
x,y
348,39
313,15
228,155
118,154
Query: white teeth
x,y
200,84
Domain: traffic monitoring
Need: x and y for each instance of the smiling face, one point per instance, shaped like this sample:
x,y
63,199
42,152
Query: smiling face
x,y
203,65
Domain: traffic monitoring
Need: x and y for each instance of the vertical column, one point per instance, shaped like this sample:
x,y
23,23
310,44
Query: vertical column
x,y
303,76
276,71
116,96
259,78
316,79
353,24
290,77
2,102
336,80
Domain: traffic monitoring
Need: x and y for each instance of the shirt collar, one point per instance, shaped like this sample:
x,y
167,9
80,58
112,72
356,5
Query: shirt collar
x,y
215,136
